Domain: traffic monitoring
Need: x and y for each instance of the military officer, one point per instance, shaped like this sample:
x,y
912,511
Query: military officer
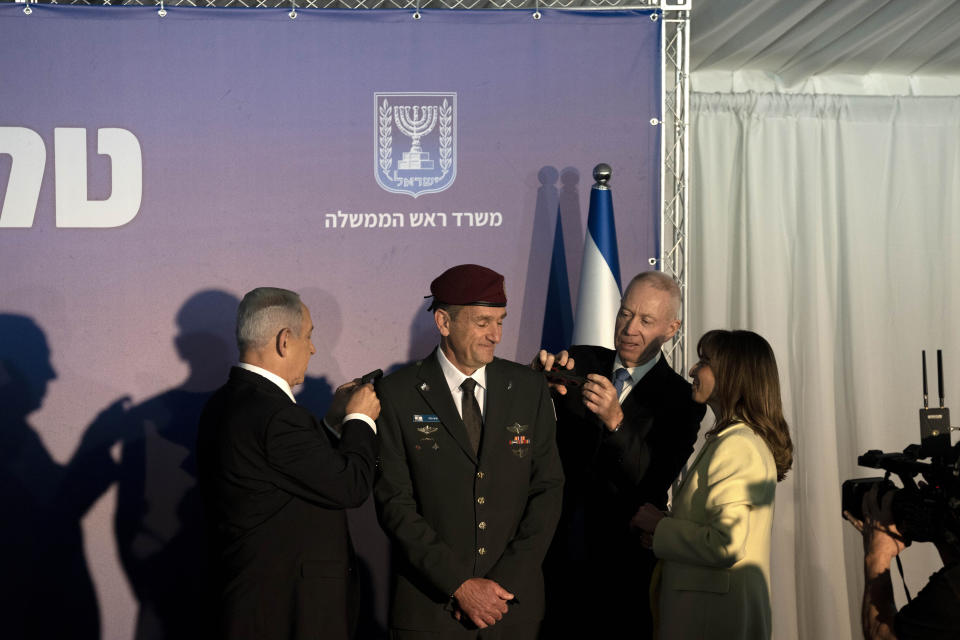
x,y
469,487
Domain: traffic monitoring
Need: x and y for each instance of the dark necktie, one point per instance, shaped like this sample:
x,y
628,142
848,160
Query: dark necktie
x,y
620,376
472,418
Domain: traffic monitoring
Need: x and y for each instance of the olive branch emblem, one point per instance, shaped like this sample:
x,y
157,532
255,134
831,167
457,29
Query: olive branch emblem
x,y
386,136
446,118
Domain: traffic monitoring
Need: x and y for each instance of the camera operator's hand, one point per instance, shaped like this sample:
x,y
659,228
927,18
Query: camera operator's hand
x,y
881,542
881,539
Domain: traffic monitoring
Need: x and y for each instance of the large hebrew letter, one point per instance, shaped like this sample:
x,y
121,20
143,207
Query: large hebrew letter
x,y
29,156
70,164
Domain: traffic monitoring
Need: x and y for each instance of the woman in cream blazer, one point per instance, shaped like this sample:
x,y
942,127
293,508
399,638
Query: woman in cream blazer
x,y
714,546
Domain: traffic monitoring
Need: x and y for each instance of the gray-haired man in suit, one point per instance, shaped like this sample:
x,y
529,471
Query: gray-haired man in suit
x,y
276,481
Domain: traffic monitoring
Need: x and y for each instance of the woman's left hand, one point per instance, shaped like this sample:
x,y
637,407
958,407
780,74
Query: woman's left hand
x,y
645,521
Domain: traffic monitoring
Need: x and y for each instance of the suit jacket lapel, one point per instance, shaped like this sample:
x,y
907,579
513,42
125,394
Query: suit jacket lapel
x,y
708,444
693,465
644,394
433,388
636,405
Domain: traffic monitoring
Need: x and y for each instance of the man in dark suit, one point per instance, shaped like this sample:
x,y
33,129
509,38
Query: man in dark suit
x,y
275,482
623,436
470,483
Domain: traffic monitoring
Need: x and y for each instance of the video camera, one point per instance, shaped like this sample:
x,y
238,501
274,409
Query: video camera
x,y
928,511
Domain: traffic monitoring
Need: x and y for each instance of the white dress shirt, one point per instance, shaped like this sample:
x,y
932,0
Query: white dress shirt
x,y
271,376
636,373
455,378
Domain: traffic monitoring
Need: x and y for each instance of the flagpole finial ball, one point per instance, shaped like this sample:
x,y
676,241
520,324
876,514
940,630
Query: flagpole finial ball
x,y
601,173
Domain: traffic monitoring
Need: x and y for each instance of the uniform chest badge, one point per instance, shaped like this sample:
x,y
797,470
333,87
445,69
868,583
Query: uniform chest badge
x,y
427,443
427,427
519,443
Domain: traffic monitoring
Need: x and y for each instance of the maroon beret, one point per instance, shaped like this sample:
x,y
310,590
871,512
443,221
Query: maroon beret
x,y
469,284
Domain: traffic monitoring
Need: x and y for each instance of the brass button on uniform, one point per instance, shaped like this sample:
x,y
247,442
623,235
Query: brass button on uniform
x,y
482,550
482,525
480,500
480,475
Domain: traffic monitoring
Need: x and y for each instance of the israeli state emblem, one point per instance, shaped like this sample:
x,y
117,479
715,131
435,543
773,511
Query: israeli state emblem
x,y
424,127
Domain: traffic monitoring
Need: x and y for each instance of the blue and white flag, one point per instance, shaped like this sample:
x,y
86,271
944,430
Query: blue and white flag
x,y
599,296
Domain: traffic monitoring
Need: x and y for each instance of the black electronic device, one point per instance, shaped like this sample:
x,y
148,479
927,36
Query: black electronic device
x,y
373,376
565,377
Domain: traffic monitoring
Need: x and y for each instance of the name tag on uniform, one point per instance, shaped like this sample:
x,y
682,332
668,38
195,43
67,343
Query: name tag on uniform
x,y
425,417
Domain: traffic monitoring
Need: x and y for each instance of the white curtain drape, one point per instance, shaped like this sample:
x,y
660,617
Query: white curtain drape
x,y
831,226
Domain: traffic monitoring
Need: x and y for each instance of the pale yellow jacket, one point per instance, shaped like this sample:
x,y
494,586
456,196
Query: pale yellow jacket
x,y
715,546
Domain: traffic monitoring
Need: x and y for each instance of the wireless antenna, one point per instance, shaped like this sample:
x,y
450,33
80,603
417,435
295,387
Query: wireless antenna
x,y
934,423
940,375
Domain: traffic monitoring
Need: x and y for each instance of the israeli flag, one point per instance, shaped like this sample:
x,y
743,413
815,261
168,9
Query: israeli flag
x,y
599,297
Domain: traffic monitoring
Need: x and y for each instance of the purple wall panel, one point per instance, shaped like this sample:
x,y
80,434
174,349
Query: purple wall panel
x,y
252,127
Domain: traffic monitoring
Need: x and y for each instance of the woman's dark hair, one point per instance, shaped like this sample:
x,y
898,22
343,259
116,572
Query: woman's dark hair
x,y
747,389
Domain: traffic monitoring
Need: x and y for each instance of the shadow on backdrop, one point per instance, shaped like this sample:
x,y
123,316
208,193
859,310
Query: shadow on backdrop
x,y
423,335
46,588
556,244
159,521
574,231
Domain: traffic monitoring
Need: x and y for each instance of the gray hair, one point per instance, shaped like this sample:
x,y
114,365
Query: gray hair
x,y
263,313
663,282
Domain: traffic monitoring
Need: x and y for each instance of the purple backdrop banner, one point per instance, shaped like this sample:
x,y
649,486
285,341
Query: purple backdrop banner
x,y
154,169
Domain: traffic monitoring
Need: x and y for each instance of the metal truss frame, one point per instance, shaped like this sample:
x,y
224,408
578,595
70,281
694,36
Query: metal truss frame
x,y
675,102
664,5
675,164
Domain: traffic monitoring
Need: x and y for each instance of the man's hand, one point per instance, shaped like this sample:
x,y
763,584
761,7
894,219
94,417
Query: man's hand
x,y
600,396
364,400
338,407
645,521
483,601
545,361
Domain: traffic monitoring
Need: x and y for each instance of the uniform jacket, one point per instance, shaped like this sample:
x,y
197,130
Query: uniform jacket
x,y
715,546
452,514
275,484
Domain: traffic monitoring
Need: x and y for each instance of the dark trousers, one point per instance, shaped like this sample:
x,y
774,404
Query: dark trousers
x,y
496,632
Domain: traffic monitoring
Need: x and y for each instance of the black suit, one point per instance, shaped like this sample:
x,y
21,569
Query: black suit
x,y
275,484
595,563
452,514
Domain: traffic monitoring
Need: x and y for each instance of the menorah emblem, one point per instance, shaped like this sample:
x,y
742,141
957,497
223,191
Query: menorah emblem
x,y
429,119
415,126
